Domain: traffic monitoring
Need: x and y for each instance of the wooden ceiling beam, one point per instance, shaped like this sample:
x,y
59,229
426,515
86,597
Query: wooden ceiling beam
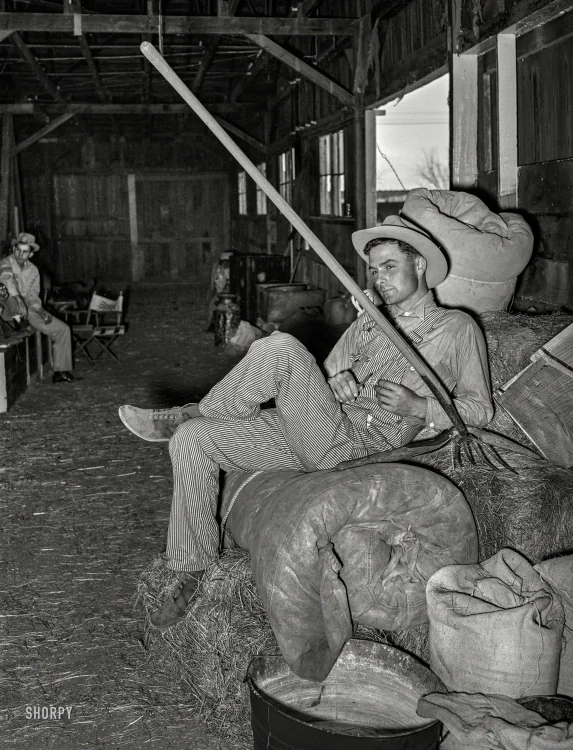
x,y
301,11
35,66
87,53
143,24
242,135
49,128
306,7
225,10
300,66
78,108
287,87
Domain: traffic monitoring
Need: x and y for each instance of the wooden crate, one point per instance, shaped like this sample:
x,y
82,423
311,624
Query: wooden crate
x,y
540,399
14,371
278,301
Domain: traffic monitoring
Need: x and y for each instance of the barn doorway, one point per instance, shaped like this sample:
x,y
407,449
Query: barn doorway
x,y
412,145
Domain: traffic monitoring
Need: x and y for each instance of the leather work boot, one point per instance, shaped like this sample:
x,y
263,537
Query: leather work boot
x,y
173,609
65,377
156,425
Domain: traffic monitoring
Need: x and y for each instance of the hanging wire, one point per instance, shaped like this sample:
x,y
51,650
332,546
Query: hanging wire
x,y
383,155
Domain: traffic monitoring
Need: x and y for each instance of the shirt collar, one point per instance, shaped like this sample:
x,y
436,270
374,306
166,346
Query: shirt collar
x,y
419,310
16,266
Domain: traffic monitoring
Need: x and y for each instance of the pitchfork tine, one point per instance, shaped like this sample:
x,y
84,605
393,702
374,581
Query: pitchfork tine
x,y
457,454
485,457
502,461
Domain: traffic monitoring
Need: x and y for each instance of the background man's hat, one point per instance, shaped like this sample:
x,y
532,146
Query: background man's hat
x,y
25,238
397,228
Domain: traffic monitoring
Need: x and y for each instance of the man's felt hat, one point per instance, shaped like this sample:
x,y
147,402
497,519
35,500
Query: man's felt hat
x,y
397,228
25,238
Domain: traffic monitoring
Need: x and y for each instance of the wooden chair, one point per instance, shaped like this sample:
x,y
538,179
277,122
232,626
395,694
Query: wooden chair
x,y
102,324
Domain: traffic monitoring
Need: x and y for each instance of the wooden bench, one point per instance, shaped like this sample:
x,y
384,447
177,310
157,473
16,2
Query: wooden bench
x,y
21,361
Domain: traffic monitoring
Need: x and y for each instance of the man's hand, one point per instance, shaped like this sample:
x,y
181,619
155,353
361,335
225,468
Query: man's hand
x,y
21,306
344,386
400,400
46,316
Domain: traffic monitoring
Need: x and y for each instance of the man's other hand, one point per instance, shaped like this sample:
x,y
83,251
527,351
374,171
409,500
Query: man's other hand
x,y
344,386
400,400
21,307
46,317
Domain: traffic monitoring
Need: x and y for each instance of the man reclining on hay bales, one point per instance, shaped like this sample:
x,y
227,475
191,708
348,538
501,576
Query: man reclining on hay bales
x,y
373,400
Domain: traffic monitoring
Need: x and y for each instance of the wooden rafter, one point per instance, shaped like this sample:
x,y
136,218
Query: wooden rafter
x,y
261,61
86,51
241,134
308,71
53,125
36,68
211,48
29,108
143,24
286,88
306,7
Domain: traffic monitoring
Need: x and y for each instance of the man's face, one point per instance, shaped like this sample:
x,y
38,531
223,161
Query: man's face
x,y
396,275
22,253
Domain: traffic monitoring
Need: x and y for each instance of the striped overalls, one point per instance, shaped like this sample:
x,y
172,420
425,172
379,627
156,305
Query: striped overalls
x,y
308,430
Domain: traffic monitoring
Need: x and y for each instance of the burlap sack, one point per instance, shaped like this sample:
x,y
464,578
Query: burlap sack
x,y
495,627
330,548
486,251
558,573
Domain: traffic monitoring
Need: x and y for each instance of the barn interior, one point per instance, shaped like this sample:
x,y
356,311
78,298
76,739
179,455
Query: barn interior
x,y
130,194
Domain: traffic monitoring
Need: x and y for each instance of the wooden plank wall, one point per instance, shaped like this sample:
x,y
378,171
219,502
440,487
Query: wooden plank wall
x,y
83,180
545,136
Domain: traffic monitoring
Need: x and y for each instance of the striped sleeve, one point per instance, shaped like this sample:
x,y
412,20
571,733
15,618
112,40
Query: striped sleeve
x,y
340,358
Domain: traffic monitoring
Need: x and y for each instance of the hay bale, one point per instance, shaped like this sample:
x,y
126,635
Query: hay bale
x,y
512,339
207,654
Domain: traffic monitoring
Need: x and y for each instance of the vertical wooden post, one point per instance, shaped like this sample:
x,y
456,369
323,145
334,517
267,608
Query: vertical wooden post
x,y
6,166
464,121
136,259
360,183
370,166
507,120
268,214
18,203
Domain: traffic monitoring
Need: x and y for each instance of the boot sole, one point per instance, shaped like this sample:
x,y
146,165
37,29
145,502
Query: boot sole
x,y
142,437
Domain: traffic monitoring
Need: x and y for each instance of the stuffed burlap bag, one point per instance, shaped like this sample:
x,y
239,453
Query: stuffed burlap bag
x,y
558,573
495,627
486,251
331,548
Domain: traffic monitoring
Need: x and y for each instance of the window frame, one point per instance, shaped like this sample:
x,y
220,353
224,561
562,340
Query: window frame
x,y
242,200
287,173
332,184
261,196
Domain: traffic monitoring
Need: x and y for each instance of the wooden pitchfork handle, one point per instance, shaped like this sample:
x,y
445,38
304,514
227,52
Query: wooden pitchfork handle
x,y
425,372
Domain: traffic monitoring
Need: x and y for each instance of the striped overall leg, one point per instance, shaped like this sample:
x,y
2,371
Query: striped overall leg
x,y
306,431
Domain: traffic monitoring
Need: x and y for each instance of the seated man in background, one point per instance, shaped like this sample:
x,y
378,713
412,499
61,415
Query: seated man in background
x,y
22,279
372,401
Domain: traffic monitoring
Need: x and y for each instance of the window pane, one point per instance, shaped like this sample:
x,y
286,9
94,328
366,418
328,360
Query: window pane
x,y
322,167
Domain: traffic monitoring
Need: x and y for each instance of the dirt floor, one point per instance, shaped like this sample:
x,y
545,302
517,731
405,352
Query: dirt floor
x,y
85,507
